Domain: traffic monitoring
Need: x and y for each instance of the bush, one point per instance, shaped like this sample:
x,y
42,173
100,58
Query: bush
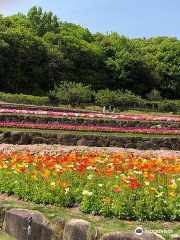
x,y
118,99
154,95
169,106
24,99
106,98
72,93
127,99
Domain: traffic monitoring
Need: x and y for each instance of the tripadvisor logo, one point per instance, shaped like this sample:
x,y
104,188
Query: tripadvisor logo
x,y
139,231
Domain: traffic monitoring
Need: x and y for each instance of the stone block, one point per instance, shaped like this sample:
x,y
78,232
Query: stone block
x,y
82,142
76,229
15,224
16,136
38,140
25,139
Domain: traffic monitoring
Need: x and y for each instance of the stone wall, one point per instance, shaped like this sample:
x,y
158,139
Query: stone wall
x,y
17,137
16,225
87,122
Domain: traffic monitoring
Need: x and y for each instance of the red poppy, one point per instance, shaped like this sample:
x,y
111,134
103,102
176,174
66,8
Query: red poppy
x,y
117,189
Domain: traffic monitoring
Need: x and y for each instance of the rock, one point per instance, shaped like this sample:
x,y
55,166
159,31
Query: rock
x,y
6,135
15,224
36,134
70,142
175,237
166,144
131,236
157,126
131,145
176,146
174,140
111,144
87,137
157,140
145,145
82,142
25,139
59,138
8,141
165,148
52,141
93,143
49,135
1,137
76,229
16,136
114,144
123,140
114,138
155,147
38,140
137,139
63,138
2,214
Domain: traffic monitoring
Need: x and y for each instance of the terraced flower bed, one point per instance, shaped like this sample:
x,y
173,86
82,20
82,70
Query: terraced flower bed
x,y
146,132
25,118
91,115
122,185
67,127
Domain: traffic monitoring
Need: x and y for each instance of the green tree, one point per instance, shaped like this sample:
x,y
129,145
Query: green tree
x,y
154,95
42,22
37,51
72,93
106,98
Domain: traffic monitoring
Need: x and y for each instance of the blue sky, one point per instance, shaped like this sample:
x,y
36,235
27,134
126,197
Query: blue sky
x,y
132,18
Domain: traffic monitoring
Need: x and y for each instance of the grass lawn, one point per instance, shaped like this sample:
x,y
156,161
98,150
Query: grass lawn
x,y
89,133
104,224
4,236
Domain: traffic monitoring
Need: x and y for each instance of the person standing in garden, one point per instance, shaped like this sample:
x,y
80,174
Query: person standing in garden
x,y
104,109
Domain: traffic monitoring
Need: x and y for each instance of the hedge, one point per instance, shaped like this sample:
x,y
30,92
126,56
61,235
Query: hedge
x,y
24,99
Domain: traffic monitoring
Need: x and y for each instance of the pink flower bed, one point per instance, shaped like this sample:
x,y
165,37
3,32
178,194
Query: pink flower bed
x,y
88,128
89,115
55,149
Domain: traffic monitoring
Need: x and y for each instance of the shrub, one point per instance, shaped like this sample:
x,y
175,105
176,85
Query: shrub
x,y
154,95
106,98
127,99
72,93
169,106
24,99
118,99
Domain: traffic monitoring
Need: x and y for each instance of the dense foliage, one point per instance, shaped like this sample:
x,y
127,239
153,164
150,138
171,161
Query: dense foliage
x,y
72,93
24,99
38,51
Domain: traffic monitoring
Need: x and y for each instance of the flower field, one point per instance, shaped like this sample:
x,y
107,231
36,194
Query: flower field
x,y
92,115
69,127
129,186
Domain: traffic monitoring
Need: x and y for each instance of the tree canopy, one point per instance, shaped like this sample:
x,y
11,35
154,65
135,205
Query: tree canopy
x,y
38,50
